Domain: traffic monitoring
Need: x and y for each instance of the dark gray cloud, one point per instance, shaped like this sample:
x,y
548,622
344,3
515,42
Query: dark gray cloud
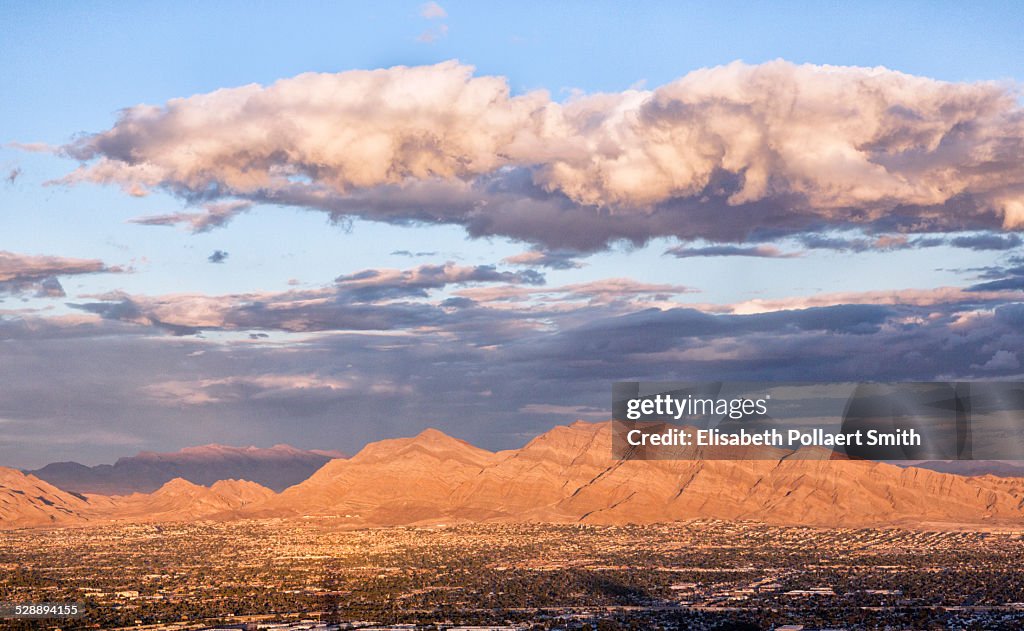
x,y
218,256
987,241
50,288
371,285
981,241
1009,277
757,251
1010,283
866,243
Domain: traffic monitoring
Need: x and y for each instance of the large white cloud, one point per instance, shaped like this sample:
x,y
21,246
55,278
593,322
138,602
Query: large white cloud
x,y
723,153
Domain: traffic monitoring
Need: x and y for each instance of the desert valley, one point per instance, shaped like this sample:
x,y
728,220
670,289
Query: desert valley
x,y
430,532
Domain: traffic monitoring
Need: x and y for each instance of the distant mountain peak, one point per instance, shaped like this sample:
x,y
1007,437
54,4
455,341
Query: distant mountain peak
x,y
276,467
432,443
178,485
432,436
431,433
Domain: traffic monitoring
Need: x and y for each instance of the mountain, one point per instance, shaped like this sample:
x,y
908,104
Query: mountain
x,y
181,500
276,468
26,501
786,491
566,475
392,481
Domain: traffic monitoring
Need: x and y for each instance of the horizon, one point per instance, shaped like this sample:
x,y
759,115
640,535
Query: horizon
x,y
318,451
336,454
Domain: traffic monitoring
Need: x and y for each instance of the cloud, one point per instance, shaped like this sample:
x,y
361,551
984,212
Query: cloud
x,y
36,327
987,241
34,147
218,256
969,297
624,293
369,300
376,284
1014,282
1002,360
728,153
1002,278
567,411
215,215
861,242
261,386
488,304
433,34
411,254
554,259
20,273
759,251
981,241
509,357
432,11
50,288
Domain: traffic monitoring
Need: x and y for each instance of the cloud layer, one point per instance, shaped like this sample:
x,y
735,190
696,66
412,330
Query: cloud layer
x,y
24,273
726,153
477,351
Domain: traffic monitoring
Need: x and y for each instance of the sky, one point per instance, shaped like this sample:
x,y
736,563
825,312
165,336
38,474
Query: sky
x,y
324,224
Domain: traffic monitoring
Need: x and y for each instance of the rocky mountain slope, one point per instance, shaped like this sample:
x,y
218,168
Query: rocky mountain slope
x,y
566,475
27,501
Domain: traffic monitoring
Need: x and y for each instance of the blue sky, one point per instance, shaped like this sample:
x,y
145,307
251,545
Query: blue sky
x,y
69,71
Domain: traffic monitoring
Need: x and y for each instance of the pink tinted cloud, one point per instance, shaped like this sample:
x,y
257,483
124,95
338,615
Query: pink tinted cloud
x,y
789,146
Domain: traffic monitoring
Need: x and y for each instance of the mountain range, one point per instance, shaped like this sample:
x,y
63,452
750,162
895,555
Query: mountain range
x,y
566,475
276,468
